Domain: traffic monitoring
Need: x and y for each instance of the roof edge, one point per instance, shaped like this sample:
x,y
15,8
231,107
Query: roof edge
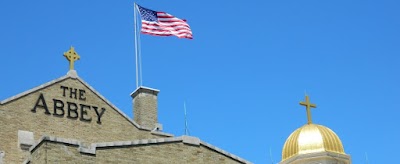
x,y
92,148
12,98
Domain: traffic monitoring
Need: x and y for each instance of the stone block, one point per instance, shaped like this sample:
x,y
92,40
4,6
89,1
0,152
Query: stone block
x,y
159,127
25,139
191,140
2,154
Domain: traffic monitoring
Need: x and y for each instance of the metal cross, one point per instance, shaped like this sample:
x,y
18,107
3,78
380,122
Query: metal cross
x,y
71,56
308,106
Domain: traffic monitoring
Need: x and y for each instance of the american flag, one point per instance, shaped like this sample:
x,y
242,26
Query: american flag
x,y
163,24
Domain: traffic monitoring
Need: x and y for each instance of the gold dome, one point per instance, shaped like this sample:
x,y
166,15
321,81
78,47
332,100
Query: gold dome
x,y
311,138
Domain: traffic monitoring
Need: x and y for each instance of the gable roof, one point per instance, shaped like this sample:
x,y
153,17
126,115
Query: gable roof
x,y
73,75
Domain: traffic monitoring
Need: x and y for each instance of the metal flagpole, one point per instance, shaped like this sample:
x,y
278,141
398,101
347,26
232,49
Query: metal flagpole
x,y
140,55
136,46
140,61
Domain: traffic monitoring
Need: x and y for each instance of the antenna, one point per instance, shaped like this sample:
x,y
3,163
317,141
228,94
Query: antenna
x,y
186,124
270,155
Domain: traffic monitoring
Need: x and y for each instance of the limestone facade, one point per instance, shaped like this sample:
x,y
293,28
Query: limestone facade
x,y
161,150
145,107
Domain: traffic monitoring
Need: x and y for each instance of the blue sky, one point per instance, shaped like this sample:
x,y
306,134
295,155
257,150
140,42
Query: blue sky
x,y
243,74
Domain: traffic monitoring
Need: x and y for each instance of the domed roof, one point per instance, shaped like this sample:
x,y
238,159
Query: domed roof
x,y
311,138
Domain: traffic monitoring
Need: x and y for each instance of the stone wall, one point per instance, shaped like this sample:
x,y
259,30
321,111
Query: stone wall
x,y
145,107
172,152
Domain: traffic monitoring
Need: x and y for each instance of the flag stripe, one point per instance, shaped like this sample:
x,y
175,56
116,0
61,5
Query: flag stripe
x,y
183,36
166,32
173,25
166,29
163,24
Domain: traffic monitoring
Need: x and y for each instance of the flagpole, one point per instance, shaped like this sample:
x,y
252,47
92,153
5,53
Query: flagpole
x,y
140,55
136,46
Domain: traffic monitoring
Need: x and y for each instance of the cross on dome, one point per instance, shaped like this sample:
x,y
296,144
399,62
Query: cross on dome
x,y
308,106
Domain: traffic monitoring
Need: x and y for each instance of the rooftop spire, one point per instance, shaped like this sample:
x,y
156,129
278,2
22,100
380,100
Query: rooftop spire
x,y
71,56
308,106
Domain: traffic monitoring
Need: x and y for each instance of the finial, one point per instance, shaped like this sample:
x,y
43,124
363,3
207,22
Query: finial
x,y
308,106
71,56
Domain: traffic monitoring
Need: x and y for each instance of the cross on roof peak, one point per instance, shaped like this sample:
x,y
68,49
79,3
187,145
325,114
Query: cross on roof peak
x,y
71,56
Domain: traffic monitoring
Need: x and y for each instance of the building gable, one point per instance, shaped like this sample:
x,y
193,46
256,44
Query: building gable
x,y
66,107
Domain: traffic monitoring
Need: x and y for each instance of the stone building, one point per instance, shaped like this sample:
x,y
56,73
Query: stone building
x,y
67,121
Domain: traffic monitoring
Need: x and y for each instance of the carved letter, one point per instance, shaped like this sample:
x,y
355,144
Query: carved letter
x,y
58,106
63,88
72,91
82,94
99,115
84,113
44,105
72,108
